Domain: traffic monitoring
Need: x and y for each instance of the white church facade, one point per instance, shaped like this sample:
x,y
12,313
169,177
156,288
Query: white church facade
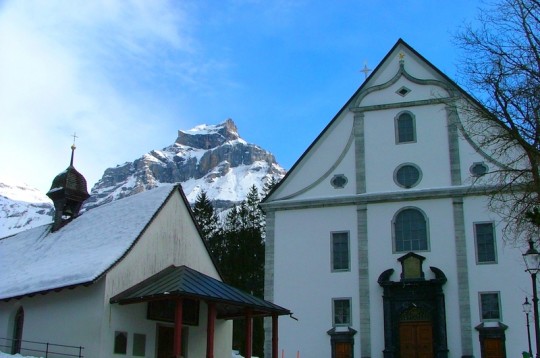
x,y
379,239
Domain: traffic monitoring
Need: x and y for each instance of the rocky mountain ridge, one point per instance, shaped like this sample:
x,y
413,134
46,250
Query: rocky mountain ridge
x,y
213,158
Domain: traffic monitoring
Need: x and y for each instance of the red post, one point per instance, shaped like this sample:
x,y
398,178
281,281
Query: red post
x,y
178,329
275,336
210,328
249,334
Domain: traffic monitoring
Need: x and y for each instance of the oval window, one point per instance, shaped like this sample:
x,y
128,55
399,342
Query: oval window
x,y
339,181
479,169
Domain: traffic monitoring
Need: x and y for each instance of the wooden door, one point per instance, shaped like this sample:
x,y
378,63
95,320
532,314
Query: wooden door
x,y
493,348
416,340
343,350
165,342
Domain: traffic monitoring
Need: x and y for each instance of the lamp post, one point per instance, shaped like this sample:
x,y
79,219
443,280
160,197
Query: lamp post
x,y
527,309
532,261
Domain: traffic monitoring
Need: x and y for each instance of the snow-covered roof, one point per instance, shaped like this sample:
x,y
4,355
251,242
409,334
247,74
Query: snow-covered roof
x,y
38,260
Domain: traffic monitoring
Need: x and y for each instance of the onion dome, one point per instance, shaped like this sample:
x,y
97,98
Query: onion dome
x,y
68,192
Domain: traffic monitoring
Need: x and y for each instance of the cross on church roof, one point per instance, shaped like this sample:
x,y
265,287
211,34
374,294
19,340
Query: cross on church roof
x,y
366,70
74,137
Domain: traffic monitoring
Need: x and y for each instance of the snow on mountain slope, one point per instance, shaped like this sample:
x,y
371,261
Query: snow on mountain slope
x,y
22,208
212,158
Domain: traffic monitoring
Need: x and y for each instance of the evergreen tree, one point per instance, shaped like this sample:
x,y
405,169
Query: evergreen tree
x,y
208,223
269,185
244,262
238,247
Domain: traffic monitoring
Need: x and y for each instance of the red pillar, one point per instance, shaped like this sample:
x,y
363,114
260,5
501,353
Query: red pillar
x,y
178,329
210,328
249,334
275,336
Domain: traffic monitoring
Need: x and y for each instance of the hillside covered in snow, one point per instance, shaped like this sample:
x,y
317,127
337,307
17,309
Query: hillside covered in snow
x,y
213,158
210,158
22,207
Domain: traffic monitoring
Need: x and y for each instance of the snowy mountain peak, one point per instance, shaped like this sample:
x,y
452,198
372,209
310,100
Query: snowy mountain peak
x,y
208,136
213,158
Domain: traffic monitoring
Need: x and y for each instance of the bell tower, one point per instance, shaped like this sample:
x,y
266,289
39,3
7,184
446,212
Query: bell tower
x,y
68,192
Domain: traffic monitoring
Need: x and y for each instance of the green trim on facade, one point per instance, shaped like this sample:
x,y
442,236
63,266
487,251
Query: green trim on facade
x,y
401,73
386,197
453,144
327,173
361,225
269,278
359,152
463,278
397,105
363,282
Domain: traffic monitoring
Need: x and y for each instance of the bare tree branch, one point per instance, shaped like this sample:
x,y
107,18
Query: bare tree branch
x,y
501,64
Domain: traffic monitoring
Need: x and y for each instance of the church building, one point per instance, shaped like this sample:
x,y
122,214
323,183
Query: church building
x,y
380,239
131,278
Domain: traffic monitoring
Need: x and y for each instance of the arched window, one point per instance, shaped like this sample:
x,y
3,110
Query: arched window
x,y
17,331
410,231
405,128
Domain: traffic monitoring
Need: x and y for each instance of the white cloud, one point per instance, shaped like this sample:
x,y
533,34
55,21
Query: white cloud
x,y
81,66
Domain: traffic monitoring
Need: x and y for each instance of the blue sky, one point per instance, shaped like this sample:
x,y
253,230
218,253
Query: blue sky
x,y
126,75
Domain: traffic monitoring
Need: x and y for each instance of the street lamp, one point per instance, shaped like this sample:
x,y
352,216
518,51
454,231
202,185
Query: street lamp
x,y
527,309
532,261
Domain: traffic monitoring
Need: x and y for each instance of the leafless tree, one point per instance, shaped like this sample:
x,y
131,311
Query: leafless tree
x,y
501,66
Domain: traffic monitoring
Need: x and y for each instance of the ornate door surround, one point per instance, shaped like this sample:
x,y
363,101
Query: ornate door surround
x,y
413,298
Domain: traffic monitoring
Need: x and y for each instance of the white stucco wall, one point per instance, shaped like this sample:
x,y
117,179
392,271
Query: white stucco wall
x,y
68,317
320,160
429,152
305,283
171,239
132,320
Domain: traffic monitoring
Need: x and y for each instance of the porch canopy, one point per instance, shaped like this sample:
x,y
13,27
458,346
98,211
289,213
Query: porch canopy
x,y
224,301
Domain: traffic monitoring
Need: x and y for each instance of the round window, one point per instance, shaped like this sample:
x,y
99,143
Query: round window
x,y
407,175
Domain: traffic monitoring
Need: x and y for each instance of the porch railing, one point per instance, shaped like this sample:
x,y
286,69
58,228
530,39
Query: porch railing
x,y
41,349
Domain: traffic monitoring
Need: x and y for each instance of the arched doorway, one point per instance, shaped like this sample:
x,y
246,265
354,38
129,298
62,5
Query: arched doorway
x,y
414,311
17,331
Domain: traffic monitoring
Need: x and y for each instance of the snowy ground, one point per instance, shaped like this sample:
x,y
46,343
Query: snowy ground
x,y
4,355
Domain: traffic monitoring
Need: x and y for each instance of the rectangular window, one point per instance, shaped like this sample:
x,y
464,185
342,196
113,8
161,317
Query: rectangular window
x,y
120,342
340,251
490,306
341,311
485,243
139,345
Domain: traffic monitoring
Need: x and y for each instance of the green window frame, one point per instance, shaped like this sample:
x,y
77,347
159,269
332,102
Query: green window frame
x,y
410,231
341,312
490,306
405,128
486,248
341,253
